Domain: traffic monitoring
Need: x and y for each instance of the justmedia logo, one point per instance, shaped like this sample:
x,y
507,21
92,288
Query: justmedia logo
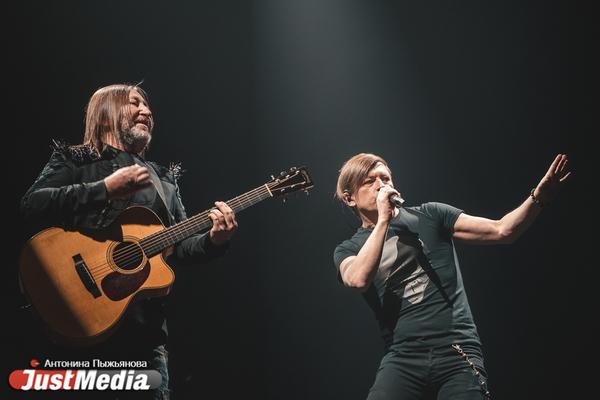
x,y
84,379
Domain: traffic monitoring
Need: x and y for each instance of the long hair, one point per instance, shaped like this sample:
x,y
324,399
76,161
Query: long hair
x,y
105,111
353,172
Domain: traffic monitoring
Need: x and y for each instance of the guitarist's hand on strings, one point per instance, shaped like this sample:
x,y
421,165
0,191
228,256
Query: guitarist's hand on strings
x,y
126,181
224,223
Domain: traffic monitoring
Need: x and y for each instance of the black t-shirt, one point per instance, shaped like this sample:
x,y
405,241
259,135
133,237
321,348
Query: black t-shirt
x,y
418,291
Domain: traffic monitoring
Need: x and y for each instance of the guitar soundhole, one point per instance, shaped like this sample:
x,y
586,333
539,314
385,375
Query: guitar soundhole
x,y
130,270
128,256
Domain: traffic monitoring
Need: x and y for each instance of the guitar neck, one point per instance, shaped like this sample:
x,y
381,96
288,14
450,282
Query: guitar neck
x,y
157,242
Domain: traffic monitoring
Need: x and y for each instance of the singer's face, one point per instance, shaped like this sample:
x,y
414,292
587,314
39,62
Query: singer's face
x,y
366,194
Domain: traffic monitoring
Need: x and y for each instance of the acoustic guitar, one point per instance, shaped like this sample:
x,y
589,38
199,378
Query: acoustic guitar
x,y
81,282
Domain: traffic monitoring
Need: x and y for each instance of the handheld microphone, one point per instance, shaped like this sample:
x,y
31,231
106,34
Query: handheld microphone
x,y
396,200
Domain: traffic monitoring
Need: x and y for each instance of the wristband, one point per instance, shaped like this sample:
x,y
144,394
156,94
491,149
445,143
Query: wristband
x,y
535,199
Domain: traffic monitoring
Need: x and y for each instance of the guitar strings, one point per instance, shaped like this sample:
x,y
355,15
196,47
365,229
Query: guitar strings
x,y
124,255
130,252
191,224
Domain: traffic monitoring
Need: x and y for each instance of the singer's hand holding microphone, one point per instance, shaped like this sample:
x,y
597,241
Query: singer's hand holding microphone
x,y
388,199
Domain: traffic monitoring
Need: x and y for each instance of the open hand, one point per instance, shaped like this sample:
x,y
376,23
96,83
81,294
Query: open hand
x,y
554,179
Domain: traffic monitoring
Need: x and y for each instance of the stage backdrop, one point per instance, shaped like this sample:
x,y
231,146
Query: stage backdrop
x,y
469,102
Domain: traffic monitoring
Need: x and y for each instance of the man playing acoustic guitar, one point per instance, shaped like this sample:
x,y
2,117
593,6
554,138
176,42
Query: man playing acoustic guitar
x,y
86,187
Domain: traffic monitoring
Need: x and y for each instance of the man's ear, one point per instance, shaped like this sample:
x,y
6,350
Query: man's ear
x,y
348,199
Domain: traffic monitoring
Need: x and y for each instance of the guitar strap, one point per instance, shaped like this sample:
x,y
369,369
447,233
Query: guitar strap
x,y
159,189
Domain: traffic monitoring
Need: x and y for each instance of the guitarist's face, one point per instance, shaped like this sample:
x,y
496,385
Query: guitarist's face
x,y
137,123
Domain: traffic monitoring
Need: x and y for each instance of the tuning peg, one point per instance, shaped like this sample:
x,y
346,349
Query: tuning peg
x,y
272,177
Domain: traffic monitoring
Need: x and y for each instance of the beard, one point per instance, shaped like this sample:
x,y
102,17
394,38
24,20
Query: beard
x,y
134,139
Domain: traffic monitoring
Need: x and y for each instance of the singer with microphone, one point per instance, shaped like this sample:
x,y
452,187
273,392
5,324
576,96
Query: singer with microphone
x,y
402,260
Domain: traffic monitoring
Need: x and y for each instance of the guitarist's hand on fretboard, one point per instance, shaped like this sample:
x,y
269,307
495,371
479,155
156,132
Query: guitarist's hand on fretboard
x,y
224,223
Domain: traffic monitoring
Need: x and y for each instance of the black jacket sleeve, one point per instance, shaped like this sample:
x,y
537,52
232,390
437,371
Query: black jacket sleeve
x,y
57,196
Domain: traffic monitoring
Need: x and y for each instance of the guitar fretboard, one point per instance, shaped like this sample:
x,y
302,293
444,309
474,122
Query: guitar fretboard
x,y
159,241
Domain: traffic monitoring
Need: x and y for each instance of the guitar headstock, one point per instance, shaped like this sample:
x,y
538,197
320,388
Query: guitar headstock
x,y
293,180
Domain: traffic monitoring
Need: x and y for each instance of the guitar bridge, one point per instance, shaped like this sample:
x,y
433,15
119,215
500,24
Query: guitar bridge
x,y
85,276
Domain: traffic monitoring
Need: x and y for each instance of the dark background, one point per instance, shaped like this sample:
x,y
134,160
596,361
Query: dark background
x,y
469,102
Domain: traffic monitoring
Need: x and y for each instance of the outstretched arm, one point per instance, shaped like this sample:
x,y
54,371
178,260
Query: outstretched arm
x,y
473,229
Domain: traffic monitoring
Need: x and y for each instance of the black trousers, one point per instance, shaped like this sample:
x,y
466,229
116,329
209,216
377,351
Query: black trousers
x,y
416,372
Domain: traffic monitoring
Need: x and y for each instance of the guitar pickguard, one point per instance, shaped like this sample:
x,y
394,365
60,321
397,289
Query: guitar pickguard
x,y
117,286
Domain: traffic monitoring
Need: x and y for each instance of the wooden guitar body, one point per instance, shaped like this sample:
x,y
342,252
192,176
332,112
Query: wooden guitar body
x,y
81,282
